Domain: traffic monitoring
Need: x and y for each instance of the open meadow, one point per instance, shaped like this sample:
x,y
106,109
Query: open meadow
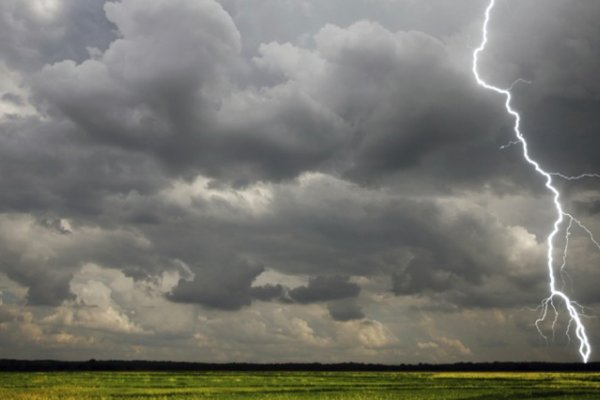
x,y
298,385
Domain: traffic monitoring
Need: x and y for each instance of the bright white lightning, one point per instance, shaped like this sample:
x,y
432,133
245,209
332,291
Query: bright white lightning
x,y
574,178
563,272
511,143
571,306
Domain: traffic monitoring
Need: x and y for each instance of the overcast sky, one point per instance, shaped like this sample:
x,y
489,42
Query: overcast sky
x,y
291,180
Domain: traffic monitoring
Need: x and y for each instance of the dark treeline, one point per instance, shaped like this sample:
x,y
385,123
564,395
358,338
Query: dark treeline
x,y
115,365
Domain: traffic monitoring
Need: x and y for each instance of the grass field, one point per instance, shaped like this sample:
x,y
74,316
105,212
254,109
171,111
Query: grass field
x,y
298,385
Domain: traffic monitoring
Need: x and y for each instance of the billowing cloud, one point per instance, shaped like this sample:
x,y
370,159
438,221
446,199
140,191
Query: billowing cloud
x,y
324,288
226,287
345,311
290,180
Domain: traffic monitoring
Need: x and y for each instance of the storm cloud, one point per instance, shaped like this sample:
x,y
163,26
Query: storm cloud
x,y
270,181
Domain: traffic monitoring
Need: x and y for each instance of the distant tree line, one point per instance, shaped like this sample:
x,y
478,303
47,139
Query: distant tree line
x,y
117,365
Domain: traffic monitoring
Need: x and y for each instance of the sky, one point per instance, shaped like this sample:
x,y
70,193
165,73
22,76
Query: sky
x,y
292,180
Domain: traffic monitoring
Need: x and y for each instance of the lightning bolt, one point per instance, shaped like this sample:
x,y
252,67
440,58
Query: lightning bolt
x,y
574,178
555,294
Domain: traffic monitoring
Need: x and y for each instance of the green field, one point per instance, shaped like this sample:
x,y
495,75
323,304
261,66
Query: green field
x,y
298,385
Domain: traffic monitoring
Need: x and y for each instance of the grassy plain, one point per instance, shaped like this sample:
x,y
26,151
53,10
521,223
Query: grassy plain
x,y
298,385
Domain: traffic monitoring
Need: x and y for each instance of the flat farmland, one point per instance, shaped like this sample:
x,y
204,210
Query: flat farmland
x,y
298,385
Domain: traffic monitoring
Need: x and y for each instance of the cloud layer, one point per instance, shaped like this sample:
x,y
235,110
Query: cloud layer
x,y
294,180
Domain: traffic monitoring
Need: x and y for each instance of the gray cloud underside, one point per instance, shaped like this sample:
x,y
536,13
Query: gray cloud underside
x,y
308,155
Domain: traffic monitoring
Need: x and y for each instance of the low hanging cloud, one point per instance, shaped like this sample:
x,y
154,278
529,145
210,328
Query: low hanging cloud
x,y
325,288
226,287
325,174
345,310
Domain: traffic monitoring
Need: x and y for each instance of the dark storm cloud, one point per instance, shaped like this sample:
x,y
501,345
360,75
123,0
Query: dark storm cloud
x,y
48,170
195,152
556,50
406,105
368,111
132,96
268,292
365,101
327,228
325,288
225,287
42,255
345,311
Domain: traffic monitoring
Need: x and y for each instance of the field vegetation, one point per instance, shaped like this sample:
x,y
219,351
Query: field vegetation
x,y
298,385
